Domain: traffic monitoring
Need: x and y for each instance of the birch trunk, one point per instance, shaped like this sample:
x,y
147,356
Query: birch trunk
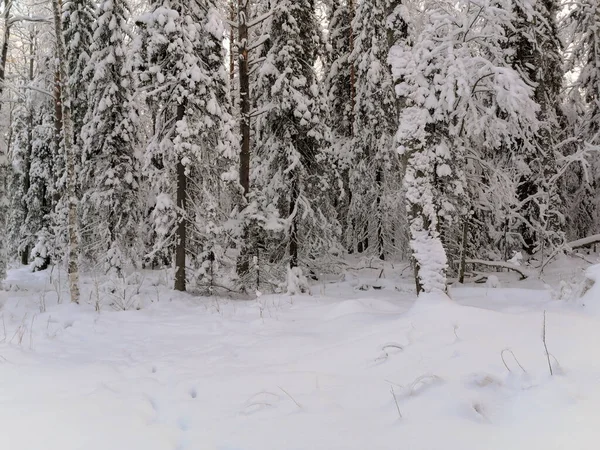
x,y
73,238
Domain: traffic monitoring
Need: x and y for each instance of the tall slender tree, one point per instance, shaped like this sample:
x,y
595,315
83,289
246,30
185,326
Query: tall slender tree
x,y
290,162
375,124
110,205
339,91
70,193
581,29
79,17
533,39
185,69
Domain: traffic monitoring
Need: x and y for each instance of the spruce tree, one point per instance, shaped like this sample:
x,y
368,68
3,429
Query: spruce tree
x,y
291,166
339,91
39,195
375,124
533,39
184,69
79,18
22,127
110,204
582,34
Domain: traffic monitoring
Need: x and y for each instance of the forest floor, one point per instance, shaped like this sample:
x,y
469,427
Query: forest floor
x,y
343,368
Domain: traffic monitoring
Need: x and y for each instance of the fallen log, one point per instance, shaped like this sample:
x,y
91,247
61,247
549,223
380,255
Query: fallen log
x,y
584,242
502,265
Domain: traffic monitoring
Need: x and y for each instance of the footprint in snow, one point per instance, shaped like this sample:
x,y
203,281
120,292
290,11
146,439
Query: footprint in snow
x,y
182,424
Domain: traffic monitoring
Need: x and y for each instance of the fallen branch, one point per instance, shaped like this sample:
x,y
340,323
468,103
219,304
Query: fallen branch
x,y
584,242
502,265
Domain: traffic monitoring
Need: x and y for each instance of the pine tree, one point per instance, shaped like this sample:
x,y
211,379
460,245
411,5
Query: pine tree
x,y
185,70
110,205
291,165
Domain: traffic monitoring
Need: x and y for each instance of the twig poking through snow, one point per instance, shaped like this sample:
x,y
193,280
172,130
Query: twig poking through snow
x,y
514,357
545,345
292,398
396,401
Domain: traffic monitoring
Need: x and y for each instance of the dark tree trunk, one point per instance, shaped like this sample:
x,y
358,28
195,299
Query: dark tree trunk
x,y
245,106
463,251
7,7
352,68
379,183
180,250
294,244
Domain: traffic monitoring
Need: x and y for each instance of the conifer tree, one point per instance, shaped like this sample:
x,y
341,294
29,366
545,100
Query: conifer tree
x,y
291,165
79,18
582,35
185,70
39,195
19,181
533,39
339,91
375,124
110,205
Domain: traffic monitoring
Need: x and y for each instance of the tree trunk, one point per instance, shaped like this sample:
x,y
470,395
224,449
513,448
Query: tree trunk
x,y
7,7
180,251
292,214
379,183
58,114
73,268
352,68
463,251
243,265
232,42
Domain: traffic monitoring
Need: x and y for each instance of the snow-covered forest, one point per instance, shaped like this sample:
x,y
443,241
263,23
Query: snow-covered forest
x,y
255,144
299,224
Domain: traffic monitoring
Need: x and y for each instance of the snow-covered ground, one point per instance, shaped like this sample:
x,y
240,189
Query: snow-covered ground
x,y
340,369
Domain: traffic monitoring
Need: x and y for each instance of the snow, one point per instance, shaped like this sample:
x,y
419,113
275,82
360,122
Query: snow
x,y
321,371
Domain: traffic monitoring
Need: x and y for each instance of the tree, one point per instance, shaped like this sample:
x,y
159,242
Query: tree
x,y
185,70
460,96
110,204
20,181
73,239
339,91
375,124
291,167
532,37
582,35
79,19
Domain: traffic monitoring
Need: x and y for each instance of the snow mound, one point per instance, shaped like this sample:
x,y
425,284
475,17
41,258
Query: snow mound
x,y
361,306
591,291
